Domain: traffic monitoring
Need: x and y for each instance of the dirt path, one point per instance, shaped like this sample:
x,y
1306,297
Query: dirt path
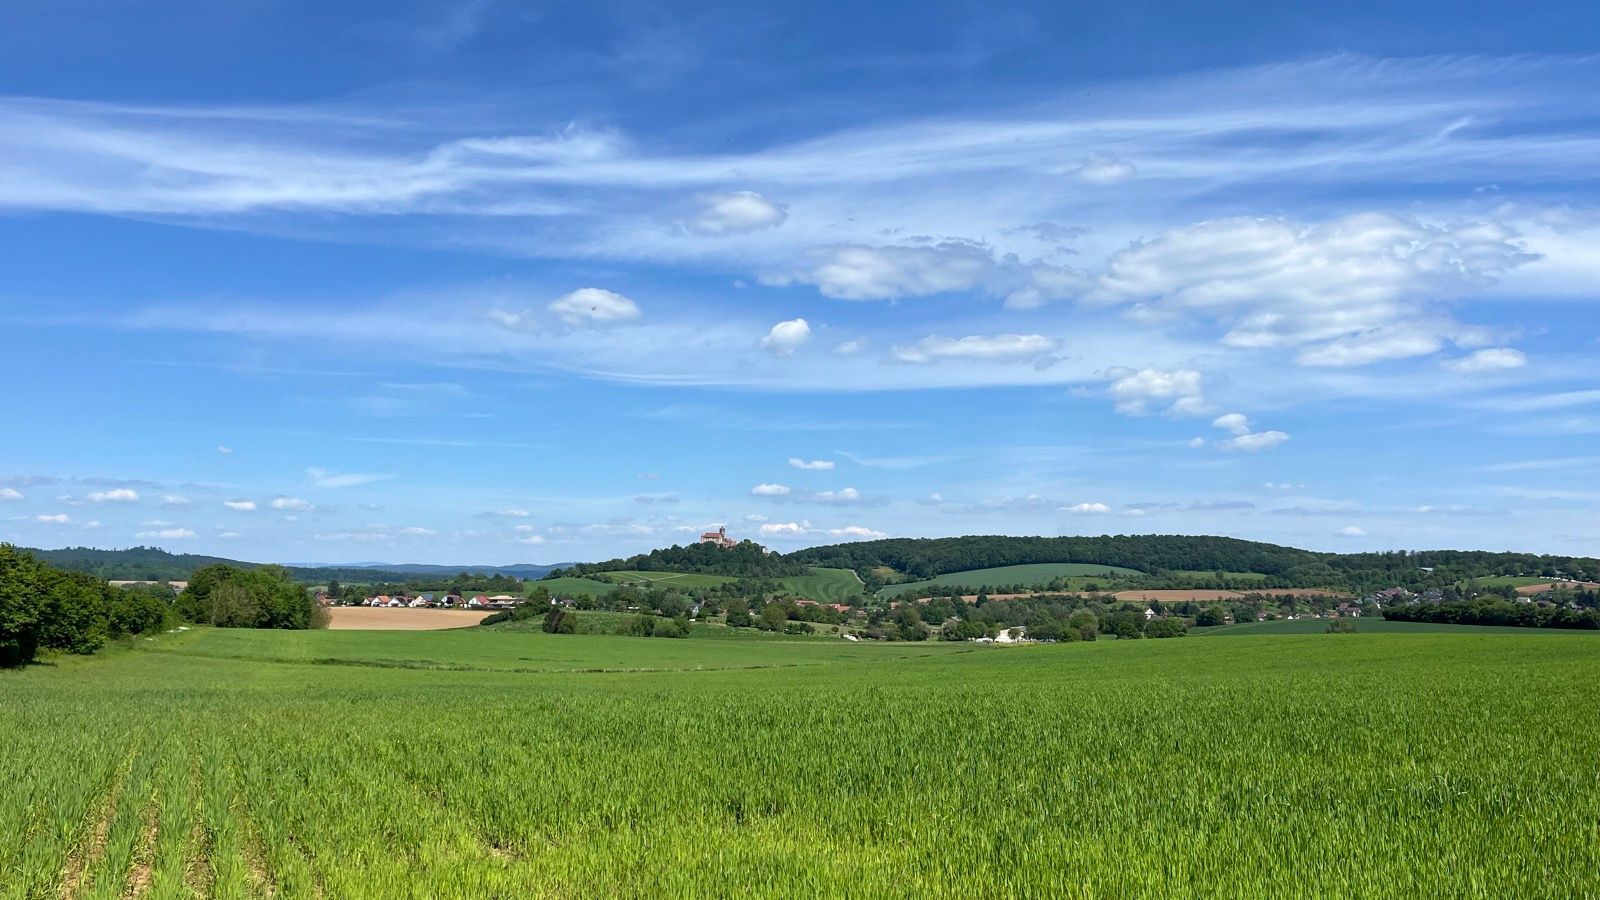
x,y
364,618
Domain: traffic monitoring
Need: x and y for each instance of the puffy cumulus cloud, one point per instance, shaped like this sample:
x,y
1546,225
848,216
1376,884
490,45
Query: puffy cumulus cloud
x,y
292,504
977,347
53,519
811,465
594,306
1092,508
784,529
1102,169
865,272
1252,442
1352,531
786,337
167,533
531,539
735,212
1491,359
1135,391
176,501
115,495
770,490
240,505
1351,291
8,493
1234,423
841,497
857,533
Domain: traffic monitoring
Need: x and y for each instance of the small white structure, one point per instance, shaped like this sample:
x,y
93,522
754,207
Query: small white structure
x,y
1011,635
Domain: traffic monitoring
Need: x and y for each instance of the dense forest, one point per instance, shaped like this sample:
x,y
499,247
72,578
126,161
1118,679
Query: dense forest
x,y
1157,555
746,559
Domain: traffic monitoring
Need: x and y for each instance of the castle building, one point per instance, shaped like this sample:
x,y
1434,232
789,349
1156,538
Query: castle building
x,y
719,537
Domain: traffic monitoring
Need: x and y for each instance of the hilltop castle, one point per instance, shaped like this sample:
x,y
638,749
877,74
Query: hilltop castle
x,y
719,537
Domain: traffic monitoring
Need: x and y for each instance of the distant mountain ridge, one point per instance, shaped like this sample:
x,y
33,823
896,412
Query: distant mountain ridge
x,y
155,564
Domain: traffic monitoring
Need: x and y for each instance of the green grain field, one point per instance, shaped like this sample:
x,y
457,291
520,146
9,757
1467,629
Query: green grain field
x,y
575,587
1367,624
1031,574
824,585
487,763
682,580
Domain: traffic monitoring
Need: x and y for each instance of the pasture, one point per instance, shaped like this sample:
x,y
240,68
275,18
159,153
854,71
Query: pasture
x,y
1025,575
569,586
682,580
484,762
824,585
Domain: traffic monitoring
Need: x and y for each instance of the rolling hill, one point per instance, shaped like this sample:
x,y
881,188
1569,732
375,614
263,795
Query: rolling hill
x,y
1029,575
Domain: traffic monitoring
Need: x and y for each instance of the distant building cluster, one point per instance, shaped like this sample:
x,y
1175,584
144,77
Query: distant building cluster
x,y
428,601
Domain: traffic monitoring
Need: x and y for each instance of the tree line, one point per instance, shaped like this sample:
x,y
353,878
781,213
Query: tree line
x,y
44,608
747,559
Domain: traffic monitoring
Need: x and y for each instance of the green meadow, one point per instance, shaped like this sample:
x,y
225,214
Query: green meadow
x,y
489,762
1029,575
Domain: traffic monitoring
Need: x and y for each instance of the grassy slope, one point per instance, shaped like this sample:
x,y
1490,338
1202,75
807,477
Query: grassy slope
x,y
574,587
825,585
1036,573
363,781
664,579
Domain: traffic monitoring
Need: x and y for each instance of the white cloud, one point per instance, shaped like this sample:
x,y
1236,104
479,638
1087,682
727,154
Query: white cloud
x,y
841,497
224,450
7,493
228,534
754,517
786,337
509,513
784,529
176,501
56,519
1196,442
1491,359
594,306
1085,508
933,499
1235,423
813,465
323,478
1352,531
735,212
1104,170
1179,389
1252,442
115,495
292,503
240,505
998,347
417,531
1350,291
851,348
857,532
864,272
770,490
168,533
532,539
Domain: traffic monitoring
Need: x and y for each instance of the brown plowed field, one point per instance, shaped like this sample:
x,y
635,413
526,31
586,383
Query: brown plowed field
x,y
359,618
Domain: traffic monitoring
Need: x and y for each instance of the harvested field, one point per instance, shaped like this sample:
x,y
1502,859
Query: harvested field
x,y
1176,596
363,618
1548,586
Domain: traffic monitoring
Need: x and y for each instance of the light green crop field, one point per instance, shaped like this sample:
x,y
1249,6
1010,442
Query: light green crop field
x,y
1235,576
257,764
825,585
1364,624
1031,574
574,587
684,580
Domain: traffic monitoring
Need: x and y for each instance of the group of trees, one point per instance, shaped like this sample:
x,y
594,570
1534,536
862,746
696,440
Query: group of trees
x,y
44,608
1494,611
262,597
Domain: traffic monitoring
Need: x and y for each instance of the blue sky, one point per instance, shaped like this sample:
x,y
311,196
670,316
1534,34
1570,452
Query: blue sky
x,y
492,282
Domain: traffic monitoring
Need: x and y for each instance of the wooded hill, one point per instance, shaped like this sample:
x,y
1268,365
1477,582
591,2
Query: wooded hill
x,y
1154,554
155,564
746,559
